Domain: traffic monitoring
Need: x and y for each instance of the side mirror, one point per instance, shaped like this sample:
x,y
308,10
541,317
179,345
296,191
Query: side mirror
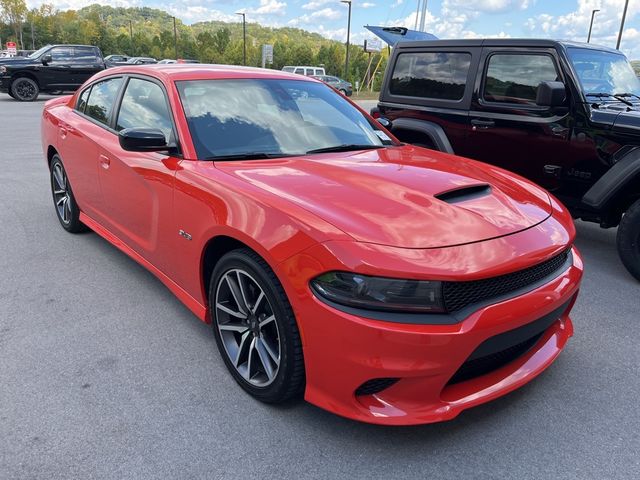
x,y
143,140
385,122
551,94
46,59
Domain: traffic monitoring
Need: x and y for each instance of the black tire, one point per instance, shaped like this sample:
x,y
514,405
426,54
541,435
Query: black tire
x,y
628,239
343,92
25,89
64,202
289,379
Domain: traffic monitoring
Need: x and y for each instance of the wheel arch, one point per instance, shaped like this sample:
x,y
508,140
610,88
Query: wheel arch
x,y
51,151
24,74
432,131
618,188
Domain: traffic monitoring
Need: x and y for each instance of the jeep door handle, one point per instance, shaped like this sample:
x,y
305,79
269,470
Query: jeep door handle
x,y
477,124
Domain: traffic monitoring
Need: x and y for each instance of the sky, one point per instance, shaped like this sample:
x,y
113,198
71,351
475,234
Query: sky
x,y
560,19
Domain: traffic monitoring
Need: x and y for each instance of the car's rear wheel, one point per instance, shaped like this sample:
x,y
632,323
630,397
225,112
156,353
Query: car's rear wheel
x,y
255,328
343,91
67,209
25,89
628,239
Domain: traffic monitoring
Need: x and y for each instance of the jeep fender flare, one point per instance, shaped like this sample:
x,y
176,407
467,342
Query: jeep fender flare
x,y
626,170
432,130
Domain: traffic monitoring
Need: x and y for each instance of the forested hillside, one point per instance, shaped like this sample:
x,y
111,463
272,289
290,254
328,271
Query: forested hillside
x,y
149,32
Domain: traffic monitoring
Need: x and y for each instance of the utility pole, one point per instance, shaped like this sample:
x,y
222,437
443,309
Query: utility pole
x,y
175,38
346,61
418,10
424,15
33,39
624,16
244,37
593,13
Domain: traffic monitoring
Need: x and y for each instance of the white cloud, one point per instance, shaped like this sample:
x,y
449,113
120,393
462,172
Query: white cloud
x,y
397,3
315,4
575,25
366,5
487,6
324,14
270,7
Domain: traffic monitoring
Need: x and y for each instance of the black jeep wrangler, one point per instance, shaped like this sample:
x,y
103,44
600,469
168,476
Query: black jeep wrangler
x,y
52,69
565,115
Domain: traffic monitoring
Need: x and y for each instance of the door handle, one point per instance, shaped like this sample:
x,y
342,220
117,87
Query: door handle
x,y
478,124
104,162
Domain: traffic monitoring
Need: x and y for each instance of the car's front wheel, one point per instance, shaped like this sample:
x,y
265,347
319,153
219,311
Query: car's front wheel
x,y
343,92
67,209
25,89
628,239
255,328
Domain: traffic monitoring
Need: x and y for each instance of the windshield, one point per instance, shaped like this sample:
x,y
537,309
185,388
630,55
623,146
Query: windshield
x,y
603,72
37,53
273,117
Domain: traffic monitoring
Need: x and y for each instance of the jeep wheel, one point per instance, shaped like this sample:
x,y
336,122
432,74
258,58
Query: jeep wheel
x,y
25,89
628,239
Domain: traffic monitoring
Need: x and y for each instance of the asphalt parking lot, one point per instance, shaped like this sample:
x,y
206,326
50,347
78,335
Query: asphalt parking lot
x,y
104,374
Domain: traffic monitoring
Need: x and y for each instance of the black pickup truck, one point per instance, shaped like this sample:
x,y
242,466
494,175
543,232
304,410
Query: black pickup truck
x,y
565,115
54,68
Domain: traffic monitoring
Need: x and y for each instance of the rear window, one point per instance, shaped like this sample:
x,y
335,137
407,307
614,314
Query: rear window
x,y
437,75
102,98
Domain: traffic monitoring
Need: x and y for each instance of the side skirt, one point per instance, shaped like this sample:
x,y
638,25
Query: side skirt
x,y
191,303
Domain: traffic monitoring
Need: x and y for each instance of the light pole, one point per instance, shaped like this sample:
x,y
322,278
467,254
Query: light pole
x,y
593,14
244,37
624,16
346,61
175,38
131,36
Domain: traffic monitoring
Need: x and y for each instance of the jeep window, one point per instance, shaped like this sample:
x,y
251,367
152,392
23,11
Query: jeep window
x,y
37,53
514,78
86,55
437,75
603,72
61,54
102,98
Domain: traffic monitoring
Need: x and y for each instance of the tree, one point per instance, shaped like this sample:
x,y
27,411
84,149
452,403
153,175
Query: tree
x,y
14,12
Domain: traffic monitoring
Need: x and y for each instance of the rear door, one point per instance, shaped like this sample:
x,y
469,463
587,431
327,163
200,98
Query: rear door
x,y
86,62
507,127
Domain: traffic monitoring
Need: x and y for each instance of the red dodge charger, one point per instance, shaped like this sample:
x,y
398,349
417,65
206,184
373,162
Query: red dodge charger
x,y
387,283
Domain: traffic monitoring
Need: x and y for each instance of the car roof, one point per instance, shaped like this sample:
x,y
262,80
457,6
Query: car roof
x,y
198,71
504,42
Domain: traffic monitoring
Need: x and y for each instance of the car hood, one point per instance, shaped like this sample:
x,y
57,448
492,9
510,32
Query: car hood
x,y
15,61
402,196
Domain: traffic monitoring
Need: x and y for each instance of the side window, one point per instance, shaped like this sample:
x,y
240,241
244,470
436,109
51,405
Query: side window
x,y
309,71
437,75
82,100
102,98
144,106
514,78
299,71
85,55
61,54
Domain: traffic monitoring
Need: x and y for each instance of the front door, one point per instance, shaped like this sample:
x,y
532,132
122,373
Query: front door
x,y
507,127
57,73
137,187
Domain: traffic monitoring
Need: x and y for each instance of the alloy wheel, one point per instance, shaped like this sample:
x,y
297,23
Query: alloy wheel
x,y
61,195
247,325
25,90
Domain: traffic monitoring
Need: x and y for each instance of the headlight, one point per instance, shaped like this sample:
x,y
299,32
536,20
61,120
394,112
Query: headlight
x,y
379,293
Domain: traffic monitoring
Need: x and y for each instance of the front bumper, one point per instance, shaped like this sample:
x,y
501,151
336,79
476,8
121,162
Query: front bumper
x,y
5,81
343,351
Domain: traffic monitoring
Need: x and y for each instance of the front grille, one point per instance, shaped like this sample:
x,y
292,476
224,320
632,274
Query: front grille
x,y
375,385
458,295
483,365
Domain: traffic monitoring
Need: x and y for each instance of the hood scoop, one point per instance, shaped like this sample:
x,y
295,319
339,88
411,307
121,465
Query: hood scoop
x,y
465,193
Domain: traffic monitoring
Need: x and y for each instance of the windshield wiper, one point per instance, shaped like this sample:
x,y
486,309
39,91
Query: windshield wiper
x,y
346,147
617,96
248,156
628,95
